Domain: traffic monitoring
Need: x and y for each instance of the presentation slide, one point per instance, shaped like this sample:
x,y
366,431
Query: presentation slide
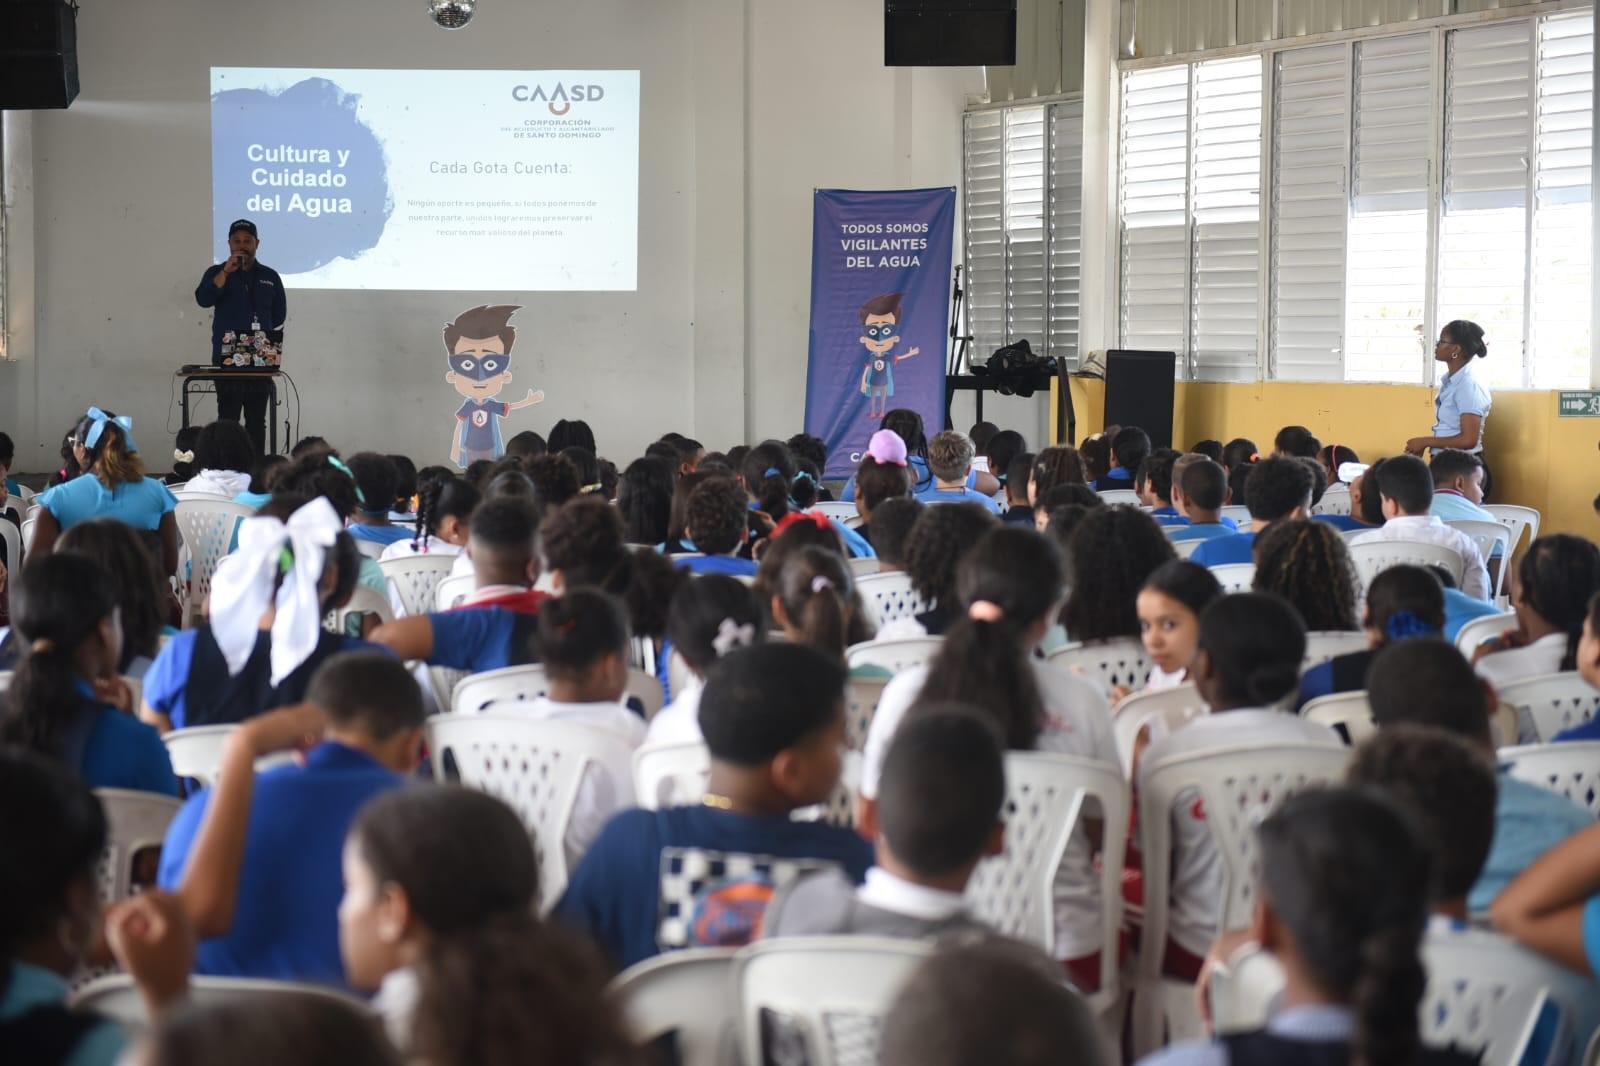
x,y
428,180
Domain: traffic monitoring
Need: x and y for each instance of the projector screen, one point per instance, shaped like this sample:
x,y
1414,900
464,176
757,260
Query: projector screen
x,y
428,180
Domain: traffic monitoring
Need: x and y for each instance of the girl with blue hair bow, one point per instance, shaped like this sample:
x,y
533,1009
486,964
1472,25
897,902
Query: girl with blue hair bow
x,y
113,485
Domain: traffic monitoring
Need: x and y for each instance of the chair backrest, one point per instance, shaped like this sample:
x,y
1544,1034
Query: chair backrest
x,y
1176,707
829,991
1112,496
136,821
415,579
475,692
1234,577
11,536
688,993
1571,768
1549,703
1186,547
1046,796
363,600
453,590
1108,663
29,524
1238,787
861,696
370,548
534,766
670,775
863,567
197,752
839,511
1239,513
1374,557
1348,712
207,525
5,680
1488,536
894,655
1478,630
889,596
117,996
1336,500
1325,644
1516,518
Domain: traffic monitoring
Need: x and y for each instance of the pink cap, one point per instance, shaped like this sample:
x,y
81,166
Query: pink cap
x,y
887,447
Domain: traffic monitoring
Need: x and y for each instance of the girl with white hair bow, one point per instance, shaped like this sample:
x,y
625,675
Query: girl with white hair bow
x,y
264,638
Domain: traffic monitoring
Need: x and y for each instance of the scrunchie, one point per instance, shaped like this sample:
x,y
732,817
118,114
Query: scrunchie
x,y
820,582
730,635
242,589
96,431
886,446
985,611
1403,624
182,456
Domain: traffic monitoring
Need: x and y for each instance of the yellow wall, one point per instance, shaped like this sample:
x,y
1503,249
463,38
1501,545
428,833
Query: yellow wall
x,y
1538,459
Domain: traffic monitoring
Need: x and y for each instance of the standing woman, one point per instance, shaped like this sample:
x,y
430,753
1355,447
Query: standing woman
x,y
1463,402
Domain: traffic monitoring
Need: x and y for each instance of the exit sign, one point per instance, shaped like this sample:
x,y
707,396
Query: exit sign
x,y
1579,404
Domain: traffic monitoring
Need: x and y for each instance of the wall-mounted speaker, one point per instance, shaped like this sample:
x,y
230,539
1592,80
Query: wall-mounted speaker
x,y
950,33
38,54
1139,388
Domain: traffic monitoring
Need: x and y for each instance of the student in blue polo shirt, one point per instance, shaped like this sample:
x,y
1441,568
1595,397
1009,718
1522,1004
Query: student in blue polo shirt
x,y
950,458
701,875
1199,491
495,626
70,627
377,480
1277,488
265,637
1129,449
283,923
1154,486
716,523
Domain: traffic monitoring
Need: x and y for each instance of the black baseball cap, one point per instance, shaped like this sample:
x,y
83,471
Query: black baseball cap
x,y
243,224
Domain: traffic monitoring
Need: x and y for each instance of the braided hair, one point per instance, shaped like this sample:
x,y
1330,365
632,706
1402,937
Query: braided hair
x,y
439,497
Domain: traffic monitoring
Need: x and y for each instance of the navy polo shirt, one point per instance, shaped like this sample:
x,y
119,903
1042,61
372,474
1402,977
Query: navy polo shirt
x,y
286,926
482,638
1342,522
717,564
254,295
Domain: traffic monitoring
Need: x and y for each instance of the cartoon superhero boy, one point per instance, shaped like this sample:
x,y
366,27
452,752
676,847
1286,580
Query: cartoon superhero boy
x,y
478,344
880,328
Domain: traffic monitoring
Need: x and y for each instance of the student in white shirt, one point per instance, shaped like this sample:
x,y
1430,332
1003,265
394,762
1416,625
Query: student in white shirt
x,y
1550,589
1247,662
582,641
223,455
709,617
445,504
1406,489
1007,588
1169,607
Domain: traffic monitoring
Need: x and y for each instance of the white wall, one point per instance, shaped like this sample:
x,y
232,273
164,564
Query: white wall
x,y
747,106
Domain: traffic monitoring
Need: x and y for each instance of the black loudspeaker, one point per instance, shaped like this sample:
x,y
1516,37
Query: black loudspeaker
x,y
38,54
1139,392
949,33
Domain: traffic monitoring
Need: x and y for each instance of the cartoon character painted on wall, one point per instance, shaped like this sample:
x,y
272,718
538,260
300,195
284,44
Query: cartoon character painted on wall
x,y
880,329
478,345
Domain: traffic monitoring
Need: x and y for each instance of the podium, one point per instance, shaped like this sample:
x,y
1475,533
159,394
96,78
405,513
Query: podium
x,y
194,380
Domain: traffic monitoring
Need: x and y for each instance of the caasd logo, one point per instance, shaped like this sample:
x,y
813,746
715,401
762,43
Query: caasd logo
x,y
560,98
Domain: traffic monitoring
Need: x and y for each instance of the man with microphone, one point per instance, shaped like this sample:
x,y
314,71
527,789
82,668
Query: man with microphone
x,y
246,296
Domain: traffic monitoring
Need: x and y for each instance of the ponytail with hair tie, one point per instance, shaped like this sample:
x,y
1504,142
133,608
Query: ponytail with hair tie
x,y
820,582
985,611
42,646
731,635
1403,624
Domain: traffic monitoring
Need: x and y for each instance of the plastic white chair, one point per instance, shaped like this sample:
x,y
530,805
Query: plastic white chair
x,y
535,767
1475,632
894,655
889,596
453,590
5,680
1046,796
1115,496
1239,513
1336,500
861,696
830,991
1176,707
136,821
1108,663
688,993
863,567
670,775
1348,712
11,535
1235,577
1549,703
363,600
1488,536
29,523
1516,518
475,692
370,548
414,579
118,998
1326,644
1238,787
1374,557
1186,547
197,752
837,510
1571,768
207,524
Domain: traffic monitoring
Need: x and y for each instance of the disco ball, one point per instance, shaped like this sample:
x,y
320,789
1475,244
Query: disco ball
x,y
451,14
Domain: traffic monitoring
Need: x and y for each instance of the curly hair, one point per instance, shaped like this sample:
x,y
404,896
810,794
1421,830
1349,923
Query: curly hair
x,y
941,535
716,521
1096,453
1061,464
554,477
877,482
1110,555
1307,563
584,540
312,475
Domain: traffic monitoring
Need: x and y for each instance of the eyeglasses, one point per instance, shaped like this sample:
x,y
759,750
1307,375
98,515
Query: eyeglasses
x,y
883,331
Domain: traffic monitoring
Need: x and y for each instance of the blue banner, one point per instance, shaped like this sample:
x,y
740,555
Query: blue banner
x,y
880,314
